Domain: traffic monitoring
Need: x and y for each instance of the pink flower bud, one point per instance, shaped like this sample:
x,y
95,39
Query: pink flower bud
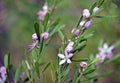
x,y
86,13
69,49
71,43
83,64
95,9
45,7
77,32
34,38
3,70
88,24
45,35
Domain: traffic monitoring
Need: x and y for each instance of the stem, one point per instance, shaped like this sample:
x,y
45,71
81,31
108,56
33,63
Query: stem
x,y
79,77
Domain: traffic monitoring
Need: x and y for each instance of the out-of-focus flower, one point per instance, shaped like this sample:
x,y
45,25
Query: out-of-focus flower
x,y
34,37
86,24
77,32
106,50
86,13
83,64
22,75
3,74
3,70
101,56
28,66
30,47
41,14
65,58
45,35
95,9
69,47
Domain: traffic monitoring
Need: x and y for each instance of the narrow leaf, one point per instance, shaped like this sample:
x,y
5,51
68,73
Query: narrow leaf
x,y
36,27
89,71
46,21
7,60
46,66
79,59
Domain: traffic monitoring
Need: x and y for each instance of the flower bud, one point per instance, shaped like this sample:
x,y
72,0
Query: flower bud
x,y
45,35
34,37
88,24
3,70
82,23
83,64
77,32
95,9
86,13
69,49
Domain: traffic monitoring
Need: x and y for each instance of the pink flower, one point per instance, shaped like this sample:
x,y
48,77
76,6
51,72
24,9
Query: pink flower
x,y
30,47
86,13
77,32
106,50
101,56
88,24
95,9
41,14
71,43
2,70
83,64
34,37
22,75
69,47
45,35
65,58
3,74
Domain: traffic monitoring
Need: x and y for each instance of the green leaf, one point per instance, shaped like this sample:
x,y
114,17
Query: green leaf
x,y
117,43
60,33
88,71
44,49
46,66
93,61
37,69
65,74
75,74
100,2
106,17
57,28
36,27
79,59
88,35
79,49
107,73
46,21
7,60
18,73
41,60
25,69
116,57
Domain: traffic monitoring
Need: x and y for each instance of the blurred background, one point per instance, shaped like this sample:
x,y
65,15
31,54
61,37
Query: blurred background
x,y
18,16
